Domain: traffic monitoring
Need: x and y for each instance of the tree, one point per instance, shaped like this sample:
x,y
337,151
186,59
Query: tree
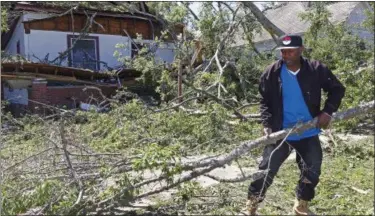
x,y
87,161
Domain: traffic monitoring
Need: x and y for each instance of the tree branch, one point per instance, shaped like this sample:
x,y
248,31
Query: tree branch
x,y
255,175
266,23
189,9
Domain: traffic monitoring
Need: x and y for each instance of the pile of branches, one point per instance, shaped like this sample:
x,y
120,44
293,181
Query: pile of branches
x,y
78,166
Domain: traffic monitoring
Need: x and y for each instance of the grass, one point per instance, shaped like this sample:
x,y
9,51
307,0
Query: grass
x,y
346,187
334,193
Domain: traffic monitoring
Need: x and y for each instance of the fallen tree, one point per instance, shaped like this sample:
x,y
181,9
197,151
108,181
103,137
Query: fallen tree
x,y
202,167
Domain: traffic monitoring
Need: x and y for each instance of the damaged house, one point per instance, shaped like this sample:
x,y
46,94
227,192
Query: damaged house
x,y
53,51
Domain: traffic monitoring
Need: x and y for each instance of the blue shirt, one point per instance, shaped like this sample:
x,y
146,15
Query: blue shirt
x,y
295,109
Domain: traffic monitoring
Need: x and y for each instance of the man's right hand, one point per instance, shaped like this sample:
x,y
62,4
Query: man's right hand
x,y
267,131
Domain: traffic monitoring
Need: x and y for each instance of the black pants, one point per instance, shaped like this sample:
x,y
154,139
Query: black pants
x,y
308,157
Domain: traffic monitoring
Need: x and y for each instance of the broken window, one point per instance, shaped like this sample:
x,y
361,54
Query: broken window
x,y
85,53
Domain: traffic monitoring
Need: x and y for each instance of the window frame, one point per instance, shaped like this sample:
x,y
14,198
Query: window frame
x,y
96,42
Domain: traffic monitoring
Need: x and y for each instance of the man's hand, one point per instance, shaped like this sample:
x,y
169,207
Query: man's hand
x,y
267,131
323,120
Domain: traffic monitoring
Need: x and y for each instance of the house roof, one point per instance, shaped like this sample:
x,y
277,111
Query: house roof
x,y
42,68
100,8
287,18
62,6
16,70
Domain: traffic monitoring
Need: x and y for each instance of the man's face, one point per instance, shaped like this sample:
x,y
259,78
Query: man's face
x,y
291,56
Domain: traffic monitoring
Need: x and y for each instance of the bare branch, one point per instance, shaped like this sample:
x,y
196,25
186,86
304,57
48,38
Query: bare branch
x,y
272,138
189,9
218,100
177,105
84,32
131,39
256,175
24,160
69,163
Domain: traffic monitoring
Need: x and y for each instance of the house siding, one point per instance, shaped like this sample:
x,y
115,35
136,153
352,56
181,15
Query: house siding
x,y
40,44
37,44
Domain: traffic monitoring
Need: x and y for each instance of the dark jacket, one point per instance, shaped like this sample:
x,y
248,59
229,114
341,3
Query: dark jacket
x,y
312,77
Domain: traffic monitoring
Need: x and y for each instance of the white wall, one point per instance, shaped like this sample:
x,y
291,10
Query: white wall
x,y
40,43
165,51
18,35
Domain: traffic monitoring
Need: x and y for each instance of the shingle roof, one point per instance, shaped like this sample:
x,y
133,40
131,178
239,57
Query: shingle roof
x,y
286,18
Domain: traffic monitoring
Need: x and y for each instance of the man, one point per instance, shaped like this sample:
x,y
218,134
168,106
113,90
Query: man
x,y
291,93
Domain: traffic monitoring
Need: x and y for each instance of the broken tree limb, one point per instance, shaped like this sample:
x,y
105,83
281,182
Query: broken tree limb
x,y
218,100
266,23
177,105
272,138
234,25
24,160
203,167
186,4
74,174
84,32
255,175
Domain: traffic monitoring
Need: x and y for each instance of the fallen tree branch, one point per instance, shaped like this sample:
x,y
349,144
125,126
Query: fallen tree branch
x,y
247,105
243,148
24,160
177,105
190,10
255,175
64,143
272,138
218,100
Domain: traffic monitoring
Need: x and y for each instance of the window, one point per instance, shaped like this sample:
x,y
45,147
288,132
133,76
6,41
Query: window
x,y
85,53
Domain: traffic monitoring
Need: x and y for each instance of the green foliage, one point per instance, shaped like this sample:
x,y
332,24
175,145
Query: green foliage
x,y
153,73
332,44
212,25
158,157
167,86
98,5
344,53
160,138
15,202
187,191
369,23
172,12
4,19
132,125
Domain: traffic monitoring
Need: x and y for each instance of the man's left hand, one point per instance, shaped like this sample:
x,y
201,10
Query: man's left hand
x,y
323,120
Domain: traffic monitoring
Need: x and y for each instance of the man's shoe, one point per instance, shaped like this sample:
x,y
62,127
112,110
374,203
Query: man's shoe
x,y
301,208
252,205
